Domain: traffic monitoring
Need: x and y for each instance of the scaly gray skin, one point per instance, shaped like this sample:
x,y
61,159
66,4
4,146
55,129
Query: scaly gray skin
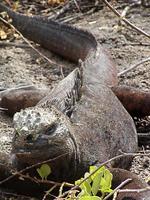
x,y
92,118
89,137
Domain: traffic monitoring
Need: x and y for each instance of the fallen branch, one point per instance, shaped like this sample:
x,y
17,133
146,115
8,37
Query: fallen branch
x,y
77,5
133,67
41,181
8,44
137,44
63,10
48,193
134,190
125,20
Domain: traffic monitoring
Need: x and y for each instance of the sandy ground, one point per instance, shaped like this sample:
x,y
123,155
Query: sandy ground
x,y
24,65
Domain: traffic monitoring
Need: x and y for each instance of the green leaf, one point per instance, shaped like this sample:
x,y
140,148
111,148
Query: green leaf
x,y
78,181
89,180
44,171
93,168
90,198
106,182
85,188
108,177
101,181
96,183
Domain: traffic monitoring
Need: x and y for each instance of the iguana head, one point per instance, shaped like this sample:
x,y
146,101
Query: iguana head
x,y
41,134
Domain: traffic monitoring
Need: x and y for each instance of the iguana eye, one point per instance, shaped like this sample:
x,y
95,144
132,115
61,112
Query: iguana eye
x,y
51,129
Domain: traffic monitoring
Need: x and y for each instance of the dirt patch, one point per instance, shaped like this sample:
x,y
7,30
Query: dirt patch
x,y
24,66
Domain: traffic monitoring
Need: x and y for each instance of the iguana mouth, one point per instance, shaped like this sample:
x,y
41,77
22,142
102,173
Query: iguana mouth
x,y
67,148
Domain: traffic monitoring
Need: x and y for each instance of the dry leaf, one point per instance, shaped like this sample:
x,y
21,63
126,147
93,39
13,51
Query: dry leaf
x,y
55,2
16,35
3,34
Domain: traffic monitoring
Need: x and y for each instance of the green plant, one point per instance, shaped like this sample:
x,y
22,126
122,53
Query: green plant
x,y
97,186
44,171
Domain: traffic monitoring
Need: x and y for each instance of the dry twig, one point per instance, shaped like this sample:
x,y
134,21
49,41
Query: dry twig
x,y
63,10
47,193
126,21
41,181
133,66
117,188
30,167
134,190
4,43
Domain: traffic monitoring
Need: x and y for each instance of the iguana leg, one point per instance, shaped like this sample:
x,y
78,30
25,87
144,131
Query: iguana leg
x,y
14,99
136,102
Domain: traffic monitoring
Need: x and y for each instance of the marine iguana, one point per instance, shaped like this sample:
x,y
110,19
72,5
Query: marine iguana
x,y
81,117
